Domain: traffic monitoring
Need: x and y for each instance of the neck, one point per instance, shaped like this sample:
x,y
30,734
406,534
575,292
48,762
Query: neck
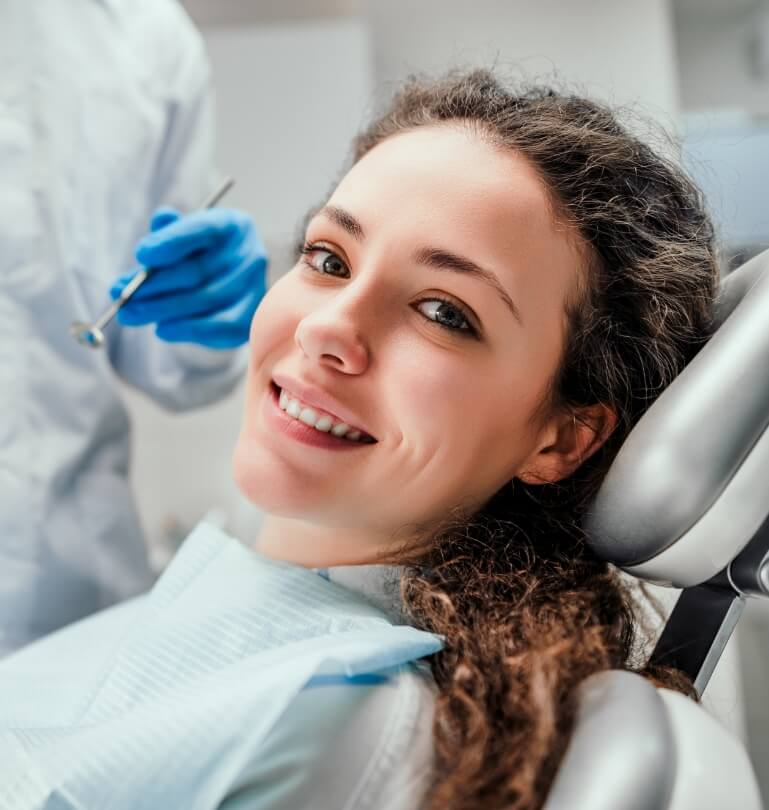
x,y
318,546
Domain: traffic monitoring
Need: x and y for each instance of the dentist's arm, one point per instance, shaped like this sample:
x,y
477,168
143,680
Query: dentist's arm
x,y
177,376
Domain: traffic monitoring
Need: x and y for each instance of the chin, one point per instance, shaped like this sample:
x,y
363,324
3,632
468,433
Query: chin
x,y
248,472
276,491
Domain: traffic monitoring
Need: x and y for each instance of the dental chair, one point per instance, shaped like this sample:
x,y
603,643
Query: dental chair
x,y
685,504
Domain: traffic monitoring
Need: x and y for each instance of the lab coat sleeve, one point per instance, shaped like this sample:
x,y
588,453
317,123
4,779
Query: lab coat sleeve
x,y
179,376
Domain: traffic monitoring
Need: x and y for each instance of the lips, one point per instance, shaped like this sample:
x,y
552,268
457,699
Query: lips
x,y
322,401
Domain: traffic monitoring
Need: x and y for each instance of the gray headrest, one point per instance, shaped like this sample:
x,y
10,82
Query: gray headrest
x,y
689,446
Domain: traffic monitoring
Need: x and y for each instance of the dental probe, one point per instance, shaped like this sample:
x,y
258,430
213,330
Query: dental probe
x,y
91,334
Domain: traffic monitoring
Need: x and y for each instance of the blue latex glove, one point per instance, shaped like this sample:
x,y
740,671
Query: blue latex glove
x,y
208,277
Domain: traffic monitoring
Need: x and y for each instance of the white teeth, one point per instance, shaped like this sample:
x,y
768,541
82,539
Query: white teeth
x,y
323,423
308,416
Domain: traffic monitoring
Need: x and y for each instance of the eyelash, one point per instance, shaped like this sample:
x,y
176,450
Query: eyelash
x,y
308,248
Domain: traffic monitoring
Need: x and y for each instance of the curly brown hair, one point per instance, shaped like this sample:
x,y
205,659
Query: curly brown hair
x,y
526,609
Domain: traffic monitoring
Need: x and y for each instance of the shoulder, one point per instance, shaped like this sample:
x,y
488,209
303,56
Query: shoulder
x,y
161,32
164,16
350,745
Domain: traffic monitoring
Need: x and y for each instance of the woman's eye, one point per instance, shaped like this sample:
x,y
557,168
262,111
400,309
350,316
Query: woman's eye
x,y
440,311
449,315
323,260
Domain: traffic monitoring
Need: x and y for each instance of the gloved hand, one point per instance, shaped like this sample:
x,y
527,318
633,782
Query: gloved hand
x,y
208,277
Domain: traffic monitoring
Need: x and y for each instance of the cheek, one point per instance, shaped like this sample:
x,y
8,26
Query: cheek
x,y
274,317
437,396
476,425
461,441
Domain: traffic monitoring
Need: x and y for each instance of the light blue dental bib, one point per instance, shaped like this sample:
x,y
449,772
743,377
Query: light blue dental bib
x,y
160,702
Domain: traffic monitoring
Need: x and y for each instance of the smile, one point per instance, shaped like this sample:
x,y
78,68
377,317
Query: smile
x,y
323,422
284,424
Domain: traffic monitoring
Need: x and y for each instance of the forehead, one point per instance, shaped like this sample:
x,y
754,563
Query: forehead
x,y
448,178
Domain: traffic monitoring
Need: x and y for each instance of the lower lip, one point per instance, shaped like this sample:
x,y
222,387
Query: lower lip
x,y
280,421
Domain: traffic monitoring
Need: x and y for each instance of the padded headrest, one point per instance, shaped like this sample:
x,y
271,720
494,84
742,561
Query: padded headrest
x,y
690,485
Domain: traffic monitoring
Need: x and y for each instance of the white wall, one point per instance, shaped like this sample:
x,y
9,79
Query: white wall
x,y
719,54
724,87
731,166
618,50
290,97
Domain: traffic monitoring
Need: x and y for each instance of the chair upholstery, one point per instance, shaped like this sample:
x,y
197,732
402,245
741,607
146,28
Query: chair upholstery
x,y
689,488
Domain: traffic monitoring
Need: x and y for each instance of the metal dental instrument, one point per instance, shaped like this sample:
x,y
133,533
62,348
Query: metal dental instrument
x,y
91,334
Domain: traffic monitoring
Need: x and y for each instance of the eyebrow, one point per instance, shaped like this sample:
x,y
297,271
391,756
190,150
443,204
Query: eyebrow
x,y
435,258
344,219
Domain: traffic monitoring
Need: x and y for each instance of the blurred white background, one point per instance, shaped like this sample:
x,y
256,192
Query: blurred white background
x,y
295,80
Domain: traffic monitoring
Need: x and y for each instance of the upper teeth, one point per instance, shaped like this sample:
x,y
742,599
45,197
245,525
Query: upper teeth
x,y
324,423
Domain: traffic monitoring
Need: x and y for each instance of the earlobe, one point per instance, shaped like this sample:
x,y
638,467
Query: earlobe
x,y
569,441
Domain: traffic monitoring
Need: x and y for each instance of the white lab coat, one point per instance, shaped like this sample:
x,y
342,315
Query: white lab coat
x,y
104,114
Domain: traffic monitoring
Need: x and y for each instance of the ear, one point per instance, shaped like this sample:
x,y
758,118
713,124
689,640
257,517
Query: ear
x,y
568,439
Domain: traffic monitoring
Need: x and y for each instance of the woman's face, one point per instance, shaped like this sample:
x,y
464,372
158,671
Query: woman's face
x,y
430,305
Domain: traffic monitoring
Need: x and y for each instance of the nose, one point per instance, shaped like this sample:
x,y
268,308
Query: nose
x,y
331,336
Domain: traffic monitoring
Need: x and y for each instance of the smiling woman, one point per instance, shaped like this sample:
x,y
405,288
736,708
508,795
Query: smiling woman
x,y
402,305
491,297
500,286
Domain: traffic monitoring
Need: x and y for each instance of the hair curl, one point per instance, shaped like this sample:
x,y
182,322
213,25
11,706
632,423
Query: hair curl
x,y
526,608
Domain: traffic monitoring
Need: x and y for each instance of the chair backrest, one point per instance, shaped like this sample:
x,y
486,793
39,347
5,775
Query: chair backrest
x,y
689,489
685,503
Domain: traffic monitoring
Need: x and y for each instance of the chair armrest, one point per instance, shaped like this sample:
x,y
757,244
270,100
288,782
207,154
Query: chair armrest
x,y
636,747
713,770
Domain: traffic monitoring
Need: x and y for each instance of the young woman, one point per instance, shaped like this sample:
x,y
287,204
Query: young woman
x,y
486,304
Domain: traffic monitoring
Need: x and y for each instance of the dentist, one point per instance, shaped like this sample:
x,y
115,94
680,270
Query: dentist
x,y
104,114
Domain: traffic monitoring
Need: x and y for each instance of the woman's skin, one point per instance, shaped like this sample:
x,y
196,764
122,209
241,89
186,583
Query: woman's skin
x,y
455,416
